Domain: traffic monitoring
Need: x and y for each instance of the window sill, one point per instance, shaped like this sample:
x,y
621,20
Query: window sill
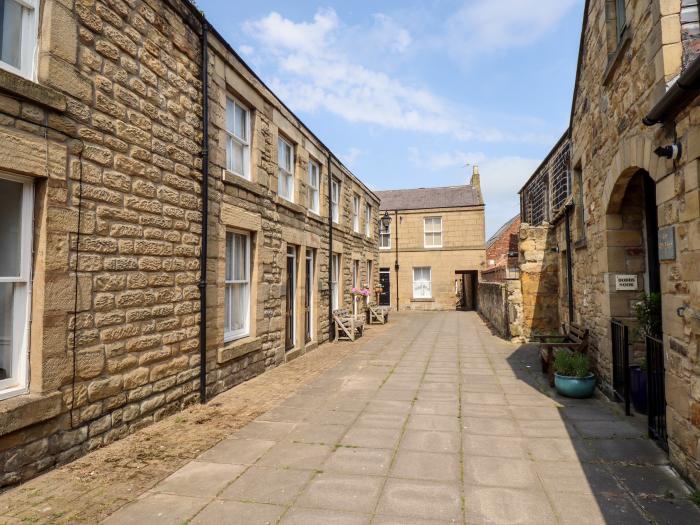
x,y
432,247
615,58
238,348
580,244
296,208
28,409
418,300
28,90
248,185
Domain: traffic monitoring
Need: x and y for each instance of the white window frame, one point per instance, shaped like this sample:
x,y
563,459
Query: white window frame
x,y
432,232
356,213
314,190
285,172
335,200
335,281
28,44
231,335
18,380
368,220
421,284
384,236
231,137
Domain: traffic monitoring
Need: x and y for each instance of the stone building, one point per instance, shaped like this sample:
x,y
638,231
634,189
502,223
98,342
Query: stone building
x,y
628,223
101,148
433,249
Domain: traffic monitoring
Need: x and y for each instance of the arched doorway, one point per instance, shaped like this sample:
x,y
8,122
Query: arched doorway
x,y
634,287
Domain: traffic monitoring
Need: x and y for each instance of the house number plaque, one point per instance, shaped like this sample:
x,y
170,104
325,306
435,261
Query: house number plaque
x,y
625,282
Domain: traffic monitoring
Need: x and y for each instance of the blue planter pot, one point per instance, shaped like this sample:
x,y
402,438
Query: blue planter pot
x,y
578,387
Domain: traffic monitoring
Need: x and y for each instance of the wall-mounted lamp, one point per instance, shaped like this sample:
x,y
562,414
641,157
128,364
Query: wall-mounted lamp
x,y
385,221
672,151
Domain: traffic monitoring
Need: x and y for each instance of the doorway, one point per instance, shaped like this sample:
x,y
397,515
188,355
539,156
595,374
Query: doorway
x,y
465,289
355,285
290,308
385,284
308,296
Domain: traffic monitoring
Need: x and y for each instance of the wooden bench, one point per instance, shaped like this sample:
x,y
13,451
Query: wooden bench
x,y
347,325
378,314
575,339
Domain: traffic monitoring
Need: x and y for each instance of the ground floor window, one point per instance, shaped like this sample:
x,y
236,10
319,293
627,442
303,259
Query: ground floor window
x,y
15,268
335,278
237,294
421,283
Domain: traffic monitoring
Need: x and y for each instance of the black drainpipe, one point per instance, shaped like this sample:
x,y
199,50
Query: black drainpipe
x,y
205,218
396,250
569,264
331,325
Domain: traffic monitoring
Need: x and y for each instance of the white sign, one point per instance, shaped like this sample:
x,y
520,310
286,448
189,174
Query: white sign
x,y
626,282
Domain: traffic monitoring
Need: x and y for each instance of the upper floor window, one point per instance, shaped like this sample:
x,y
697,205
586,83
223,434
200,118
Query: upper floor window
x,y
335,200
237,139
285,161
356,213
620,18
433,232
384,236
18,36
237,283
368,220
16,196
314,185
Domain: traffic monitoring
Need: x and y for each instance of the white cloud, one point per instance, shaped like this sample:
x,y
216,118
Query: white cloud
x,y
350,156
485,26
317,73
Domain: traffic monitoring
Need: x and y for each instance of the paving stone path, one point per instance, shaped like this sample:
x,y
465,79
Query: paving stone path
x,y
434,421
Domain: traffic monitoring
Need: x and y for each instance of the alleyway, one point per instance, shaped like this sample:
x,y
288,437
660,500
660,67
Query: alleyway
x,y
435,419
428,420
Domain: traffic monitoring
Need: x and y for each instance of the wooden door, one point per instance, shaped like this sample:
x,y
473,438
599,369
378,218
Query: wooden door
x,y
308,295
289,302
384,281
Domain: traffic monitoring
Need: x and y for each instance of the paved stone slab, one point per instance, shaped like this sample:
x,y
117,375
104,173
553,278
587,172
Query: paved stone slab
x,y
500,472
264,430
505,506
421,499
372,437
426,465
300,516
268,485
199,478
314,433
344,492
356,460
157,509
431,441
296,455
234,512
237,451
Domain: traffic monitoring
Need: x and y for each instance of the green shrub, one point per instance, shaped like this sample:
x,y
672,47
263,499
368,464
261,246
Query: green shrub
x,y
572,364
648,313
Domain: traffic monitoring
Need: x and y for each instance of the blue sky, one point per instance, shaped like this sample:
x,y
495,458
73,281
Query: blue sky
x,y
408,92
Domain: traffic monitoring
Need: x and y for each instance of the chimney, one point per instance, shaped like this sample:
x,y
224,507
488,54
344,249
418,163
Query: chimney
x,y
475,182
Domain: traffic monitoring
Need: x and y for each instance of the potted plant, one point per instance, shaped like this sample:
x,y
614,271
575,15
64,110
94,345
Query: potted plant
x,y
648,314
572,374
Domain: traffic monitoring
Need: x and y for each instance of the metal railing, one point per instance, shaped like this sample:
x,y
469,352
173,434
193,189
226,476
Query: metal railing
x,y
620,362
656,390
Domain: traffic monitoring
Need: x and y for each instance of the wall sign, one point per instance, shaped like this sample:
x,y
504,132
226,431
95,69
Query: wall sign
x,y
626,282
667,244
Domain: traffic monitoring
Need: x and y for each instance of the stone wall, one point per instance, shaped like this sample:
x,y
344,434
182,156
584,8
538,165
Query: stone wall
x,y
539,278
110,136
493,305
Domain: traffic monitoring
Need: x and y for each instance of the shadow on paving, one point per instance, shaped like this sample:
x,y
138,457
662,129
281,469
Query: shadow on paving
x,y
605,468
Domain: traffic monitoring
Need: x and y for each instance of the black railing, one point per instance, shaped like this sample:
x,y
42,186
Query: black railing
x,y
656,393
620,363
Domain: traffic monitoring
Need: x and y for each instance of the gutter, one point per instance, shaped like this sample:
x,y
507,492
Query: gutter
x,y
205,216
396,260
678,96
331,324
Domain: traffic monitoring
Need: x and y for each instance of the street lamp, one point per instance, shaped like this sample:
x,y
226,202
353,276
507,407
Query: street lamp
x,y
385,221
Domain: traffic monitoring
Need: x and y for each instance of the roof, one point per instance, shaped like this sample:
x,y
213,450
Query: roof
x,y
500,231
423,198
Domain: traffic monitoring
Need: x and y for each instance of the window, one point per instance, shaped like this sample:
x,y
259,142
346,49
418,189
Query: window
x,y
356,213
237,139
384,236
620,18
285,161
16,196
335,278
18,35
335,200
314,184
368,220
237,293
421,283
432,227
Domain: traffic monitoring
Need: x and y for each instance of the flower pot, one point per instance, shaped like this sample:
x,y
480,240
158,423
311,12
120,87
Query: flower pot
x,y
638,388
578,387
